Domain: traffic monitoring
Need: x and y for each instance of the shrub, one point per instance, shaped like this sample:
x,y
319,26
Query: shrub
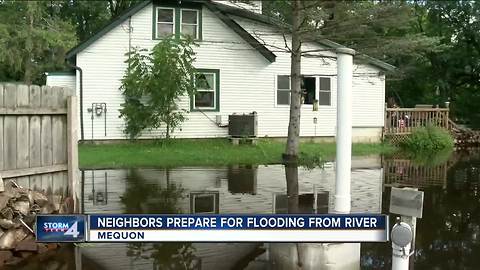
x,y
430,138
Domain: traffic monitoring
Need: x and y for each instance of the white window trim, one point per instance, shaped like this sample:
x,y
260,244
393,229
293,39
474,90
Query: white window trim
x,y
197,25
317,90
208,90
157,22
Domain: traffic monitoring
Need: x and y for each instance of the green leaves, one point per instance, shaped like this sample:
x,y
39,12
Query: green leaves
x,y
153,84
429,139
32,40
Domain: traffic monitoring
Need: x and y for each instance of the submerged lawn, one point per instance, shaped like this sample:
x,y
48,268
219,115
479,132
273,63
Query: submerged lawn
x,y
214,152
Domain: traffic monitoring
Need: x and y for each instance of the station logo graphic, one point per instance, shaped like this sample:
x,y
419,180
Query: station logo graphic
x,y
60,228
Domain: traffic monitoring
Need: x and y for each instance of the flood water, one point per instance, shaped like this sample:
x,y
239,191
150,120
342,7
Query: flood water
x,y
448,235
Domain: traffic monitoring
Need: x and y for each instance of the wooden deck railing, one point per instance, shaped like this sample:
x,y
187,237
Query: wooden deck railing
x,y
405,120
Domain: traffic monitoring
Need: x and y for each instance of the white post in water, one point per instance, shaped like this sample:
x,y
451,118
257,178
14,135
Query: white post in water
x,y
344,130
402,236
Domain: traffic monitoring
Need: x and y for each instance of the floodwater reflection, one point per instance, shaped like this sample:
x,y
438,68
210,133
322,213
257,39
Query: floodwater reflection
x,y
448,235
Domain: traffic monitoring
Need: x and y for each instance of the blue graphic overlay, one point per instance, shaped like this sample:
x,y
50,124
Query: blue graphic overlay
x,y
60,228
237,222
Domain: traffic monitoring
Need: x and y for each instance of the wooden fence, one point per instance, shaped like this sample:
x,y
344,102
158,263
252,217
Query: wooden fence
x,y
38,138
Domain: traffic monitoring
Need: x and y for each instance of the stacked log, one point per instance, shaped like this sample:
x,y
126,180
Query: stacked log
x,y
18,210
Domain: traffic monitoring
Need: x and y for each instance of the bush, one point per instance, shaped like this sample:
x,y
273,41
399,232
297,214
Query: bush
x,y
429,138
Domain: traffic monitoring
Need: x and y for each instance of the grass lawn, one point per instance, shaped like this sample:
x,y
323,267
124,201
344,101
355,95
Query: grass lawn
x,y
212,152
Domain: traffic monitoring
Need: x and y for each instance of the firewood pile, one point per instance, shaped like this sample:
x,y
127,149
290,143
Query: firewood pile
x,y
464,137
18,209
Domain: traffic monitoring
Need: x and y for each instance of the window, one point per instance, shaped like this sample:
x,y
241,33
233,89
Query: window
x,y
283,90
165,22
205,202
189,23
309,87
177,21
207,85
325,91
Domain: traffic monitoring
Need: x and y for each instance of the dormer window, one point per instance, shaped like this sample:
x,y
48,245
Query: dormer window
x,y
189,19
177,21
165,22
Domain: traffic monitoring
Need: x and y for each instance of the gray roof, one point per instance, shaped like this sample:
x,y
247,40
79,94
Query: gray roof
x,y
223,12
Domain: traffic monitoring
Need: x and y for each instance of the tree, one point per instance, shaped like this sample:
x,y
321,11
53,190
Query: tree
x,y
86,16
141,197
154,82
293,146
116,7
32,41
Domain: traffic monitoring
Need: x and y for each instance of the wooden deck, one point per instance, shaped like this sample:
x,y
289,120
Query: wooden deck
x,y
401,121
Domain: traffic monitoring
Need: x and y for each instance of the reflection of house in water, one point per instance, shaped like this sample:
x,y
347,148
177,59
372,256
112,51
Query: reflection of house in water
x,y
99,192
242,179
308,203
241,189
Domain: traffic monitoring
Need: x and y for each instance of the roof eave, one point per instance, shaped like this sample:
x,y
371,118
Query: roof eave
x,y
261,48
134,9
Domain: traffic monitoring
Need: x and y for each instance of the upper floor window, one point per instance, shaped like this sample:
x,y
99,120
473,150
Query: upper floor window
x,y
165,22
189,22
177,21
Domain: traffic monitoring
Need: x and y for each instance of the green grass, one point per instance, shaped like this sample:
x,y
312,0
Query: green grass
x,y
211,152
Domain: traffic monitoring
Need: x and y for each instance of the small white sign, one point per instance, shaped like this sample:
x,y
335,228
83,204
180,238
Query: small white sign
x,y
406,202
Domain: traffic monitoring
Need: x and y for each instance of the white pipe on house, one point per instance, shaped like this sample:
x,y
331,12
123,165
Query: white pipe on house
x,y
344,130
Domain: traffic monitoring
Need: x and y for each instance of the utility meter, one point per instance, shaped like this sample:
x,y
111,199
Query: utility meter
x,y
402,234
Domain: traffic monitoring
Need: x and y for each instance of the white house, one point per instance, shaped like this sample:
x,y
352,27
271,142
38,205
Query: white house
x,y
241,64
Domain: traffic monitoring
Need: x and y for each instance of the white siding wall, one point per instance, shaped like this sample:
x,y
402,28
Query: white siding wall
x,y
247,81
61,80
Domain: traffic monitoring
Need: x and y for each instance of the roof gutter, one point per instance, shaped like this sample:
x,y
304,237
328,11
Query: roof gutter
x,y
80,71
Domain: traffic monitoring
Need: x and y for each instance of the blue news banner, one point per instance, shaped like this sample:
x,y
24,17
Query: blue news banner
x,y
212,228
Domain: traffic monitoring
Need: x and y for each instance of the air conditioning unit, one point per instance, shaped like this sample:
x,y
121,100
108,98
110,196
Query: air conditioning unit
x,y
242,125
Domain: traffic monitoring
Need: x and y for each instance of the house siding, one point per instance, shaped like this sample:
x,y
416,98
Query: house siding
x,y
61,80
247,82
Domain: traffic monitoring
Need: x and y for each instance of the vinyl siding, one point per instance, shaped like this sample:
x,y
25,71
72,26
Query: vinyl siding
x,y
247,81
61,80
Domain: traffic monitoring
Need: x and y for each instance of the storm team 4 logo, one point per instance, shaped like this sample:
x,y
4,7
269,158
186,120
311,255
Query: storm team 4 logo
x,y
62,227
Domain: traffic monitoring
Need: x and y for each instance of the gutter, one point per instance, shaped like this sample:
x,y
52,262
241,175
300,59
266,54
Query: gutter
x,y
80,71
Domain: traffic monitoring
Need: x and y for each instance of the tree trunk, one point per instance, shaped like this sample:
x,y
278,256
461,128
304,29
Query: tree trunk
x,y
292,148
291,174
28,72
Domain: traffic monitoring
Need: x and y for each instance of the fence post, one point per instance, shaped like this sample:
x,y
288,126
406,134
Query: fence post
x,y
72,138
447,105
